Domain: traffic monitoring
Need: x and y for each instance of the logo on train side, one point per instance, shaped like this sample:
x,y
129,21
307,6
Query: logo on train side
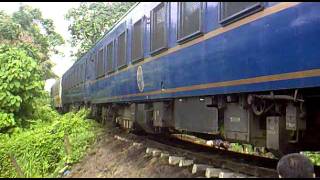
x,y
140,81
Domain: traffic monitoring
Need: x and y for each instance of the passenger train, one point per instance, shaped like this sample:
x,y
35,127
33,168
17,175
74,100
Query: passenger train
x,y
245,71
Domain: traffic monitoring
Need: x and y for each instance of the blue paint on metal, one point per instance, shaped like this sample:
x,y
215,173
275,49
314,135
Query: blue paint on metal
x,y
286,41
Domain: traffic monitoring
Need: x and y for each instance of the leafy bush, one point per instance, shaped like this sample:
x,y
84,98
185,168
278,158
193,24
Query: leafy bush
x,y
40,150
313,156
20,85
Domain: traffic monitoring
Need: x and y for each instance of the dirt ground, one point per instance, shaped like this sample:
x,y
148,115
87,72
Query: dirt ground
x,y
110,158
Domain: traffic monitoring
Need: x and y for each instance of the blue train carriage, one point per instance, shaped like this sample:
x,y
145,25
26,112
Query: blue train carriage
x,y
73,86
246,71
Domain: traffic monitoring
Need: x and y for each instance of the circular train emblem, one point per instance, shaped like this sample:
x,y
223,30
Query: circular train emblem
x,y
140,81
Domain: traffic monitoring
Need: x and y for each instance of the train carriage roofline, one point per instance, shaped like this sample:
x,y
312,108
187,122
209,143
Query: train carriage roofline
x,y
107,32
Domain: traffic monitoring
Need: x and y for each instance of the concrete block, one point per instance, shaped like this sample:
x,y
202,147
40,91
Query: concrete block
x,y
137,144
210,143
200,168
164,155
227,174
213,172
185,162
156,153
174,160
120,138
150,150
238,175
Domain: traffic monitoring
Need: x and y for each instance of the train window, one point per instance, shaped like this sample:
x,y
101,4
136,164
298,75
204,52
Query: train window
x,y
121,50
232,11
77,75
158,28
73,77
110,67
67,81
82,72
137,41
100,65
189,20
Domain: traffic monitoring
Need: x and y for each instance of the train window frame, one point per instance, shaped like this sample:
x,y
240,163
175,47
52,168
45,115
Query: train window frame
x,y
78,74
199,32
239,15
125,50
102,73
72,78
112,69
142,31
165,45
83,72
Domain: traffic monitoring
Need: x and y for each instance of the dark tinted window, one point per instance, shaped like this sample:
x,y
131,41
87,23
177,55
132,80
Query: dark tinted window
x,y
231,11
100,65
189,19
121,50
158,28
137,41
110,67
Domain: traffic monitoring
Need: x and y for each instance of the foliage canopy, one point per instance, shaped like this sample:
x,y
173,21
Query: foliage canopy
x,y
90,21
26,27
20,84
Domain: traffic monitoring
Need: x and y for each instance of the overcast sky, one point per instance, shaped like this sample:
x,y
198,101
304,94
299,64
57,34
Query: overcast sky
x,y
56,12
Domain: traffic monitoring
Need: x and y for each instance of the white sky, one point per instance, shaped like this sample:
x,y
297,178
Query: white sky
x,y
56,12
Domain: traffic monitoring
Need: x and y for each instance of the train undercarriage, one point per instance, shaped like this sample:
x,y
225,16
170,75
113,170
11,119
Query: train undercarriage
x,y
280,121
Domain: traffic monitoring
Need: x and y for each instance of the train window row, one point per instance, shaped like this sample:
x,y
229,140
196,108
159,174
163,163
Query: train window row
x,y
190,20
189,26
75,76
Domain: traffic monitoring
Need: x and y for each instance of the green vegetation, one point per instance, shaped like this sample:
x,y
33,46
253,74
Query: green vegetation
x,y
35,141
40,150
28,30
90,21
20,84
313,156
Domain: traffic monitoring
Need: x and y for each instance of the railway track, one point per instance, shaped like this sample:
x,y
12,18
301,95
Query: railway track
x,y
249,165
235,162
